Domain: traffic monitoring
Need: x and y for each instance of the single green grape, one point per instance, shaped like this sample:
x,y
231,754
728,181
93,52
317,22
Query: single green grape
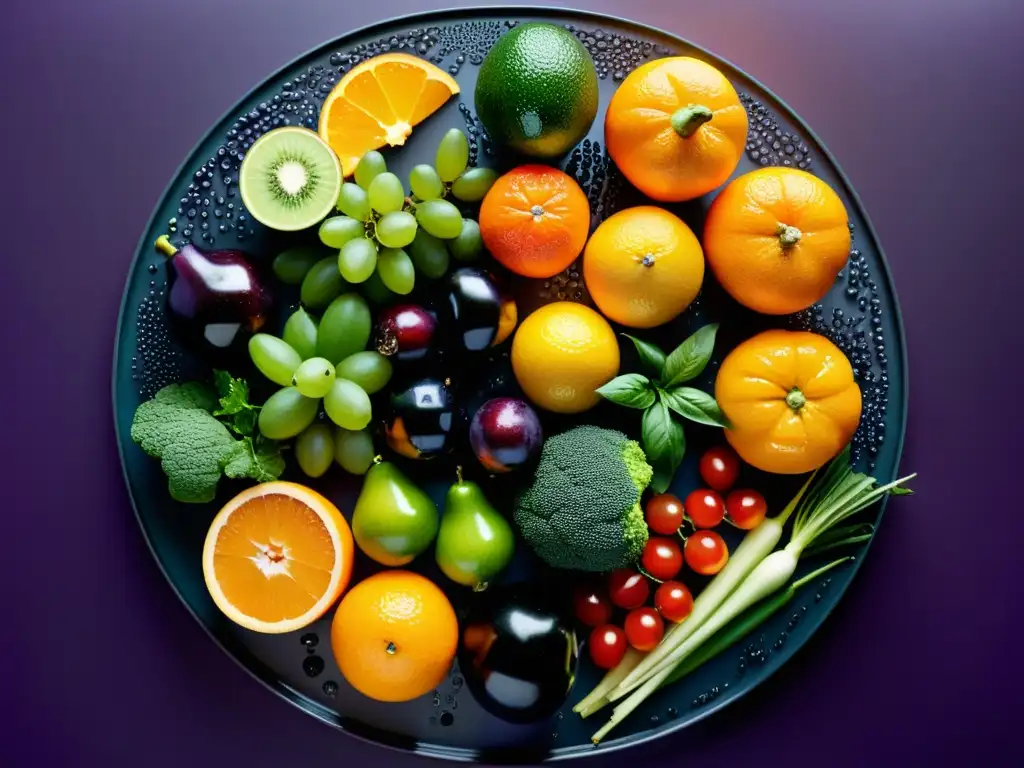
x,y
425,183
386,193
429,254
300,333
375,290
353,201
344,328
274,358
314,449
396,229
322,284
396,270
452,155
357,259
286,413
314,377
369,369
353,450
440,218
474,184
338,230
292,265
348,405
370,165
468,245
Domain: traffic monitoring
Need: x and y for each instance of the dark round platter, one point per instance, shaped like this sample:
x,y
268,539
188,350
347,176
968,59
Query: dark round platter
x,y
202,204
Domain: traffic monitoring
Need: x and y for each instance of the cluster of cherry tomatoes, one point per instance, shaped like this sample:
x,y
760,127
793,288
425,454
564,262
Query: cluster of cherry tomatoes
x,y
680,533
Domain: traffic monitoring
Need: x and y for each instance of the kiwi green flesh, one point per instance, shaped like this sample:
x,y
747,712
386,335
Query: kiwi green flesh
x,y
290,179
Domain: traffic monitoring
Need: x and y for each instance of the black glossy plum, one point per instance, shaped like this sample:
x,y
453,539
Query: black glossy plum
x,y
518,652
214,297
505,434
422,421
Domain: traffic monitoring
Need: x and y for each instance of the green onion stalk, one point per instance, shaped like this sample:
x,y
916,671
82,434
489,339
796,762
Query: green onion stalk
x,y
839,494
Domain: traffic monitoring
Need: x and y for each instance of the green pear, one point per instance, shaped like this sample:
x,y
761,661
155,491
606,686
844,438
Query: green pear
x,y
475,542
393,520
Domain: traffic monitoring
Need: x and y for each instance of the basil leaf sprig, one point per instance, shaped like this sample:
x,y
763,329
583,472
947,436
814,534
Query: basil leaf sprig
x,y
665,400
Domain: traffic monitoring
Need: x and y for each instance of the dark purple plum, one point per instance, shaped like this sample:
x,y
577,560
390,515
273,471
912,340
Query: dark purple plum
x,y
406,332
475,305
214,296
505,434
421,423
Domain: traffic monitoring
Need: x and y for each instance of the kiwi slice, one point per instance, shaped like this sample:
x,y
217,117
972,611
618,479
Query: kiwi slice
x,y
290,179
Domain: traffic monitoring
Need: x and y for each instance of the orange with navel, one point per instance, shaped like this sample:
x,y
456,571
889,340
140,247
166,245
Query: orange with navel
x,y
378,102
776,239
277,557
791,400
675,128
643,266
394,636
534,220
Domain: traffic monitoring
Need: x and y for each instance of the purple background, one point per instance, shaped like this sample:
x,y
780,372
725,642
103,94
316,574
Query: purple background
x,y
920,102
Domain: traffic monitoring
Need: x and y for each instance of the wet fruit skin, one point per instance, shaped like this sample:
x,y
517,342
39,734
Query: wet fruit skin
x,y
393,520
406,332
537,90
791,399
518,653
505,434
422,419
215,297
776,238
475,308
475,542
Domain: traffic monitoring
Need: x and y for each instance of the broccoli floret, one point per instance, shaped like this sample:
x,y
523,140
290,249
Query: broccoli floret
x,y
582,510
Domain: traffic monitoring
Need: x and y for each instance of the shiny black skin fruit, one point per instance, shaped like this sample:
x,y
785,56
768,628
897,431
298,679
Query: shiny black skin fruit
x,y
518,652
423,418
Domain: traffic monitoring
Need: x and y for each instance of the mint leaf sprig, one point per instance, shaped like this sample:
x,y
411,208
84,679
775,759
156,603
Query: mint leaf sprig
x,y
665,400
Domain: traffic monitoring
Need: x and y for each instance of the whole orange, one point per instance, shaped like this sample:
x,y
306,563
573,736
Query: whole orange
x,y
643,266
675,128
561,354
776,238
534,220
394,636
791,400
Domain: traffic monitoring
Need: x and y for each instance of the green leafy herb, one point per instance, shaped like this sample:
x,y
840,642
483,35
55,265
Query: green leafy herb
x,y
689,359
652,357
180,426
695,405
631,390
664,443
662,436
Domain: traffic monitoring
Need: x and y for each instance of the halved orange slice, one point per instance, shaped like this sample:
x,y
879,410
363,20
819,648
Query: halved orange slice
x,y
379,101
277,557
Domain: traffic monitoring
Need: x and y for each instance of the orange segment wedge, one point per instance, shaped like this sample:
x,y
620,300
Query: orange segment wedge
x,y
277,557
379,101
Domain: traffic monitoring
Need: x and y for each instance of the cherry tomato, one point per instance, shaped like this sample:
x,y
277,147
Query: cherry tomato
x,y
591,605
673,601
662,557
607,646
665,514
705,508
720,466
644,628
746,508
627,588
706,553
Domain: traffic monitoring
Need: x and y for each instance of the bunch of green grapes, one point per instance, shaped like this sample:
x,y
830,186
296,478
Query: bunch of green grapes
x,y
323,362
384,236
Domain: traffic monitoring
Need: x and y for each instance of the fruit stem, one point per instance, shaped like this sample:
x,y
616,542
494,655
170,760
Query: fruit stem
x,y
788,236
687,120
378,459
458,474
164,245
796,399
